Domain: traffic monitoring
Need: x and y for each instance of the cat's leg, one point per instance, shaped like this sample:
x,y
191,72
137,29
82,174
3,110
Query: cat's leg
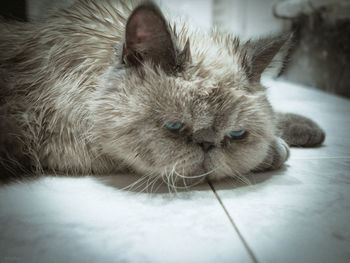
x,y
299,131
277,154
293,130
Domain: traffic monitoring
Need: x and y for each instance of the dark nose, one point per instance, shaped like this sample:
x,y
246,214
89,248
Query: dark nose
x,y
206,146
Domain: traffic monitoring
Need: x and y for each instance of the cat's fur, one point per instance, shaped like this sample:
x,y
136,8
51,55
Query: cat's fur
x,y
89,90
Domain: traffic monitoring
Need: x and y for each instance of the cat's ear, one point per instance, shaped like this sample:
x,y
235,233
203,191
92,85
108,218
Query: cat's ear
x,y
264,53
148,37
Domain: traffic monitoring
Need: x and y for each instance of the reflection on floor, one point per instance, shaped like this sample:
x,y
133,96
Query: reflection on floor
x,y
298,214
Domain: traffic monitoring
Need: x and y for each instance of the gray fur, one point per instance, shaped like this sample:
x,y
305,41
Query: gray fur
x,y
299,131
71,102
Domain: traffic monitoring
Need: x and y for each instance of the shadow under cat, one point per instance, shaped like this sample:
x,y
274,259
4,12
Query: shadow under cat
x,y
135,183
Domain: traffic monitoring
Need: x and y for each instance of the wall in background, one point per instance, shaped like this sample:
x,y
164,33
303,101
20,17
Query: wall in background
x,y
246,18
197,12
321,56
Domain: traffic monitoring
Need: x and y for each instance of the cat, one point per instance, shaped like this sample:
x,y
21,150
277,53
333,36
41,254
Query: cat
x,y
105,87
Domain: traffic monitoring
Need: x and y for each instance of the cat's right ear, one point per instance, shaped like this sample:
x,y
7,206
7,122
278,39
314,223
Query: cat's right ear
x,y
265,53
149,38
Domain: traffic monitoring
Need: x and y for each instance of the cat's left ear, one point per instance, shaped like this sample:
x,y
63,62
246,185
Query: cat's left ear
x,y
148,37
264,53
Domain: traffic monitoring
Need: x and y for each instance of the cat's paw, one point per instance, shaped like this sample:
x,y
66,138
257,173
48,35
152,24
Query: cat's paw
x,y
277,155
300,131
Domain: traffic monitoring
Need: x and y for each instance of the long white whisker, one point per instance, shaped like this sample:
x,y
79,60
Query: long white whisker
x,y
130,186
160,184
156,178
145,182
240,177
186,187
167,180
141,184
149,182
147,185
196,176
190,177
173,178
183,179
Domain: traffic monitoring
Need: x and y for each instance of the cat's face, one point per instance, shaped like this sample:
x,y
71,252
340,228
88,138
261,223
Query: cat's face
x,y
200,115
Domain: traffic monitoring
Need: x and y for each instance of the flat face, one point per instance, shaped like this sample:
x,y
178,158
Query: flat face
x,y
135,116
210,99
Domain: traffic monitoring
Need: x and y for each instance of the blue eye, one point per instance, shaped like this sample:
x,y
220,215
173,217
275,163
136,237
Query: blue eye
x,y
174,126
236,134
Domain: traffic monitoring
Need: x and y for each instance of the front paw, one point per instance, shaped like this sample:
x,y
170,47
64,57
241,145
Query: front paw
x,y
277,155
300,131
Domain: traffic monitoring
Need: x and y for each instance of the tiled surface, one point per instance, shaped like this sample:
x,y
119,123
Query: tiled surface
x,y
91,220
301,214
298,214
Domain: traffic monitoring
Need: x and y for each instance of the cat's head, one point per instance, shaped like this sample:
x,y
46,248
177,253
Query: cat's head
x,y
178,103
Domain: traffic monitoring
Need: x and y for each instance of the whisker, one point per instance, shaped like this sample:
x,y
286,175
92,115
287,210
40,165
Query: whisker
x,y
149,176
141,183
236,174
183,179
147,185
160,184
134,183
241,177
173,178
195,176
156,178
167,179
189,177
186,187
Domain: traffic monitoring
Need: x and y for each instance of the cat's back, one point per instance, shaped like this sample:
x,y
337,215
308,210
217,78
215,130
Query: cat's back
x,y
49,70
67,52
69,40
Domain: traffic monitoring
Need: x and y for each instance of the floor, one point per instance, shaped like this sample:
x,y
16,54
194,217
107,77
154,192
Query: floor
x,y
300,213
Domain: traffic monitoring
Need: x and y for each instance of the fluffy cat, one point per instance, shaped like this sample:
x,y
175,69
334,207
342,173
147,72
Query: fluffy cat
x,y
108,86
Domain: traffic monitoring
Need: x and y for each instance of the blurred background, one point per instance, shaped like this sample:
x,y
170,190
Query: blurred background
x,y
319,59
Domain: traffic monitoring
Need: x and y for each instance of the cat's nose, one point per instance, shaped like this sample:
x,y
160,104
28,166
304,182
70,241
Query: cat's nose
x,y
206,146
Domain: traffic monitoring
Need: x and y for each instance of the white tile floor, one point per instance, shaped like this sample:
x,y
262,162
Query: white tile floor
x,y
298,214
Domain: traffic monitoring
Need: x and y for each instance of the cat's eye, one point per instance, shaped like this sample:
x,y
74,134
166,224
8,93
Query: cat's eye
x,y
174,126
236,135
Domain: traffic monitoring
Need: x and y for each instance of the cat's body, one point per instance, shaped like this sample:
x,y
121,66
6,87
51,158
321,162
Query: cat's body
x,y
100,88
